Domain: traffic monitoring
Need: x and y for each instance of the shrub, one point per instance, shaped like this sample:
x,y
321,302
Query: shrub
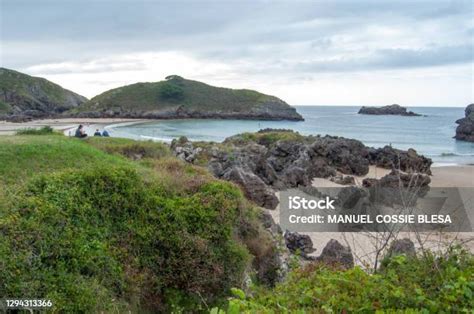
x,y
46,130
443,283
171,91
103,239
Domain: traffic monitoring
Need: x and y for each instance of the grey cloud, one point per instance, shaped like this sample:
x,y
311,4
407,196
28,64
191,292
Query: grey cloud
x,y
393,59
264,34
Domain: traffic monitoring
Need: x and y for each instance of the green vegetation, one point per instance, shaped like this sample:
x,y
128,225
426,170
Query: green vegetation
x,y
4,108
115,225
266,137
171,91
176,92
95,227
41,131
33,92
429,284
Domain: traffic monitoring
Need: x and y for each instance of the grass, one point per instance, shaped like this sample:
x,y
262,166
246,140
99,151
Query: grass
x,y
266,137
85,224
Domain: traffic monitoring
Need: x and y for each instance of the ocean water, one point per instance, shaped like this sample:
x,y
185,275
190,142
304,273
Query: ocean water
x,y
430,135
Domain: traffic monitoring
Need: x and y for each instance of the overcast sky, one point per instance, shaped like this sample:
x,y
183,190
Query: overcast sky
x,y
307,53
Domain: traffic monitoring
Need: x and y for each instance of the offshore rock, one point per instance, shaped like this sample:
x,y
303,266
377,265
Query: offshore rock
x,y
465,129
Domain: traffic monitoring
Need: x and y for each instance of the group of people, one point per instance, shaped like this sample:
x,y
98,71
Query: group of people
x,y
81,133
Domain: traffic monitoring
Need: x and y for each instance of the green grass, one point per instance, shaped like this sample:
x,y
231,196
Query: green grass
x,y
266,137
83,224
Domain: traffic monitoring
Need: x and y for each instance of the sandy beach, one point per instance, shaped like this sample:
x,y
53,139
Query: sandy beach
x,y
63,125
363,244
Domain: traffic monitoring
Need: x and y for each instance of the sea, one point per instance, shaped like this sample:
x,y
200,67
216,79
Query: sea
x,y
430,134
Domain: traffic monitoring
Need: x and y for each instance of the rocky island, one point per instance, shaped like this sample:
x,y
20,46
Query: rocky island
x,y
388,110
24,97
179,98
465,129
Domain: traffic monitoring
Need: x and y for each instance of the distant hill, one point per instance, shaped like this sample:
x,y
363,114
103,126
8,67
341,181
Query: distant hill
x,y
177,97
24,97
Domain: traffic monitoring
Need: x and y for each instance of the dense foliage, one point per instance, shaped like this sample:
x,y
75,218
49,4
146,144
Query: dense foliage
x,y
97,232
428,284
171,91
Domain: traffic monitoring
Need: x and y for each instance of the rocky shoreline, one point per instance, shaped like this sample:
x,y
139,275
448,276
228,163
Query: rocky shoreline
x,y
465,129
388,110
288,114
271,160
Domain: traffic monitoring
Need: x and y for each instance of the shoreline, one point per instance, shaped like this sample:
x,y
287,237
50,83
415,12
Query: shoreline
x,y
67,126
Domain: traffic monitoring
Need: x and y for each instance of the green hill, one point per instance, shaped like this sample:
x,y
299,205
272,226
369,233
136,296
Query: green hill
x,y
177,97
23,97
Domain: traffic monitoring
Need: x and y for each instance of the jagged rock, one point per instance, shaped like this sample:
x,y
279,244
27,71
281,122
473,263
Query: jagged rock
x,y
407,161
299,243
398,188
350,197
254,188
346,155
388,110
264,162
465,129
343,180
396,179
402,246
334,253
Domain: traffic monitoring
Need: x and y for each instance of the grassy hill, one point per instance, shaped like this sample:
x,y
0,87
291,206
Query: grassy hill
x,y
23,96
177,97
87,225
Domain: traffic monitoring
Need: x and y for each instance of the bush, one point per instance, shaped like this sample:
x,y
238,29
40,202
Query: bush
x,y
46,130
431,283
103,239
171,91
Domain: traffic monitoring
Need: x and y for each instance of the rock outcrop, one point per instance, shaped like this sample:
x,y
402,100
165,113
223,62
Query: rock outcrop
x,y
388,110
24,97
299,243
336,254
401,246
465,129
271,160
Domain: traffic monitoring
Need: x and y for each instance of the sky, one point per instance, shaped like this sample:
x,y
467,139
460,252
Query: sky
x,y
414,53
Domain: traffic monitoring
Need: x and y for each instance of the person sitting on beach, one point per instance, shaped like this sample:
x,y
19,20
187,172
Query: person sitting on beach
x,y
97,133
105,133
80,132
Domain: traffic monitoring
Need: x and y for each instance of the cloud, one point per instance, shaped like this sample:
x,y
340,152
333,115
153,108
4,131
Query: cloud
x,y
233,43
